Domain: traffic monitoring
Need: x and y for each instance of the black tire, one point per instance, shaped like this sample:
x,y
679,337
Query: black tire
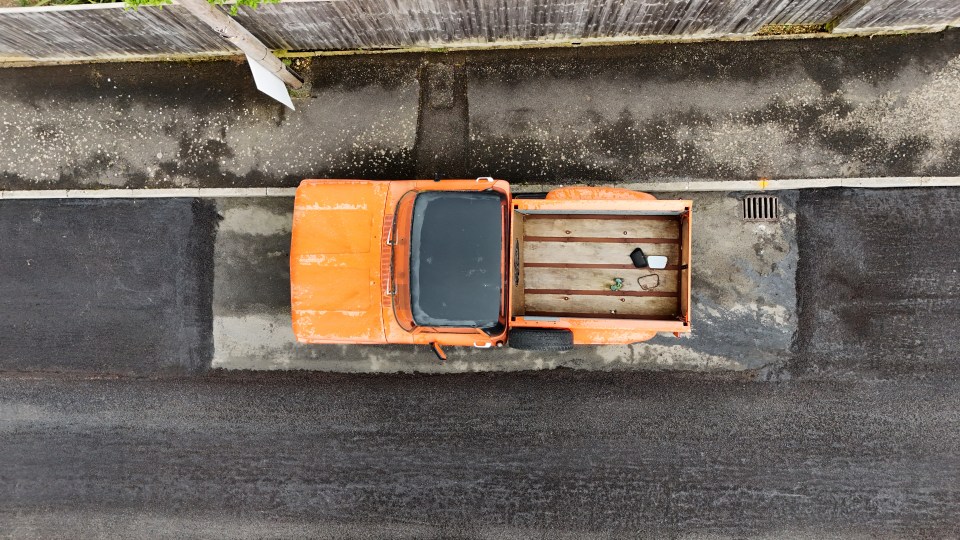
x,y
540,339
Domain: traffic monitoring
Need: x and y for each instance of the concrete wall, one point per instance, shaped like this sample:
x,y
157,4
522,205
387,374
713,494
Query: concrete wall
x,y
106,31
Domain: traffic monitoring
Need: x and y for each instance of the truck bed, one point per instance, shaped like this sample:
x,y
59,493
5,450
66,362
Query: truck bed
x,y
565,264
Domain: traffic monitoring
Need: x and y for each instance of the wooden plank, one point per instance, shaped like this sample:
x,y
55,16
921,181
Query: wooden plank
x,y
608,292
542,252
517,268
685,261
108,30
600,216
229,29
603,306
667,227
594,316
628,266
620,240
596,278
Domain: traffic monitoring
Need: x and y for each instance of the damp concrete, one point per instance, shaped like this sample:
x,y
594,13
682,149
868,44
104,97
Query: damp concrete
x,y
840,108
202,124
882,106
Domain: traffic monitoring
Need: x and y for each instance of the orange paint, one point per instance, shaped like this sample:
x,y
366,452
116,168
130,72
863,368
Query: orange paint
x,y
598,194
335,261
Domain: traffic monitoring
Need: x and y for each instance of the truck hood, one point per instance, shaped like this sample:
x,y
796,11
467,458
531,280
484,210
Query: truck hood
x,y
335,259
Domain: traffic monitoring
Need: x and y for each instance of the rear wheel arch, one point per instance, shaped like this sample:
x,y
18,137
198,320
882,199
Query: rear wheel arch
x,y
588,193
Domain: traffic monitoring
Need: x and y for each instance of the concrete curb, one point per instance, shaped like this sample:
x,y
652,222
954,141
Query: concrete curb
x,y
779,185
680,185
147,193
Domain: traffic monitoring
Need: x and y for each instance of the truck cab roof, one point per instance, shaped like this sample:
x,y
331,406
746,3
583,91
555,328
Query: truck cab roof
x,y
456,266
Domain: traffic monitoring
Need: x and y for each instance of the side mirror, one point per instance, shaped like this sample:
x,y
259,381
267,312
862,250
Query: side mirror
x,y
437,350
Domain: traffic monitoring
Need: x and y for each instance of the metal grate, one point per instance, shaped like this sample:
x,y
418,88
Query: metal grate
x,y
761,208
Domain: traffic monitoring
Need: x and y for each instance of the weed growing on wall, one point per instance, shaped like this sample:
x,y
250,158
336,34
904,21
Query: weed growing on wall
x,y
134,4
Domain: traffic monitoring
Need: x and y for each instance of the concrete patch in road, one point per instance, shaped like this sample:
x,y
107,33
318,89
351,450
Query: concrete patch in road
x,y
266,341
744,303
744,288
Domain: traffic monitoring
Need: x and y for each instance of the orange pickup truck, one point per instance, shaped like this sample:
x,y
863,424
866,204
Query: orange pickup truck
x,y
466,263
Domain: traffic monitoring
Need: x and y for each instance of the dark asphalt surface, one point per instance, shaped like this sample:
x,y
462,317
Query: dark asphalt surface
x,y
108,286
857,434
518,455
878,283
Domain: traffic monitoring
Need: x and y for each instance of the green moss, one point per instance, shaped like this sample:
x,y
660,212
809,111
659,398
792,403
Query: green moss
x,y
253,4
791,29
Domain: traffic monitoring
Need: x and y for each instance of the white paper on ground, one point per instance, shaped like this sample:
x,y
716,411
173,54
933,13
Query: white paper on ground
x,y
270,84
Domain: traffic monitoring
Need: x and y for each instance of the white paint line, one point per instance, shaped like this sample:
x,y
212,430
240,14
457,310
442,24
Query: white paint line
x,y
678,185
938,181
777,185
882,182
812,183
729,185
645,186
233,192
147,193
123,193
38,194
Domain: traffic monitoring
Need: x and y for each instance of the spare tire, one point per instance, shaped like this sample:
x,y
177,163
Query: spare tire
x,y
540,339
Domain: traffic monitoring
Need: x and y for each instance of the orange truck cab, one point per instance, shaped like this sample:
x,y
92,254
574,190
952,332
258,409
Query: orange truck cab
x,y
466,263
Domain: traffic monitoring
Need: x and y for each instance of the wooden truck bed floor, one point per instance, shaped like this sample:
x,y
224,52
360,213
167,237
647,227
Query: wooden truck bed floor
x,y
568,263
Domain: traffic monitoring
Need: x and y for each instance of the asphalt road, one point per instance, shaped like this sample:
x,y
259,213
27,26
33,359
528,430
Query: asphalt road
x,y
106,286
855,433
538,455
878,283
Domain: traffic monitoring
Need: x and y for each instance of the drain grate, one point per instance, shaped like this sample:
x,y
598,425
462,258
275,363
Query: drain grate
x,y
761,208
